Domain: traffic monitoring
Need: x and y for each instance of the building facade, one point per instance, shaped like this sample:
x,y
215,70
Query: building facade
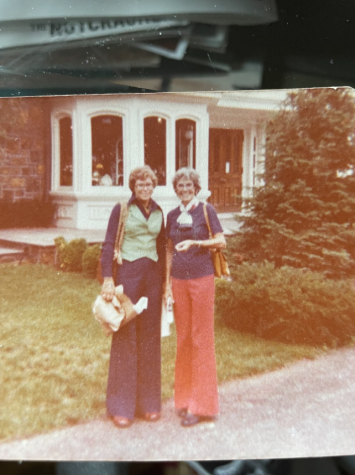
x,y
90,144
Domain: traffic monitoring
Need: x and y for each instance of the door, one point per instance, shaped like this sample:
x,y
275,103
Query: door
x,y
226,168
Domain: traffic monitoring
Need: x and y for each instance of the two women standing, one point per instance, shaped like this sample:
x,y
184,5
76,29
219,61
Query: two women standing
x,y
134,374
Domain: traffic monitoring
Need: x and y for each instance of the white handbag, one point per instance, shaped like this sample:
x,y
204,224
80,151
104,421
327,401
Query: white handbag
x,y
113,315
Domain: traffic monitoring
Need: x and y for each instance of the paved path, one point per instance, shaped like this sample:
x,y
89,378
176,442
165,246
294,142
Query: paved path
x,y
46,236
305,409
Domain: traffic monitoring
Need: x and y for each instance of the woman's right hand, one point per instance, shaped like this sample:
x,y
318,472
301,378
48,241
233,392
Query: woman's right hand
x,y
168,294
108,289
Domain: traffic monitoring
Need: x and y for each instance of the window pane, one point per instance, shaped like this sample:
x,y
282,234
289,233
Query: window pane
x,y
155,146
107,150
185,151
66,151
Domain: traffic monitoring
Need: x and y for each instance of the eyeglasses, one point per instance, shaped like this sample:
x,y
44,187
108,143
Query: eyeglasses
x,y
141,186
182,186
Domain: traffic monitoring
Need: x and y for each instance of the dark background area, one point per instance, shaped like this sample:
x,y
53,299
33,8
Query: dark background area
x,y
311,45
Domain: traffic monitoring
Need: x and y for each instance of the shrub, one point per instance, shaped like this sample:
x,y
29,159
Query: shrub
x,y
26,214
90,260
60,244
70,255
288,305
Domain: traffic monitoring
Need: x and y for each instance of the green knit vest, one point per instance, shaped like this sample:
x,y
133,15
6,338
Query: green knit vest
x,y
141,234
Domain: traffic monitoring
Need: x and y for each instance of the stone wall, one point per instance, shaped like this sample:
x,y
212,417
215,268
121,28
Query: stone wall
x,y
23,149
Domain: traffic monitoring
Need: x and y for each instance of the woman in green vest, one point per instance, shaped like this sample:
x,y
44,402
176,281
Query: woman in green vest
x,y
134,382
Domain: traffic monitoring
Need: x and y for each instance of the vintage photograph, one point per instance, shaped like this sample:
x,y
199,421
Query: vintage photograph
x,y
177,275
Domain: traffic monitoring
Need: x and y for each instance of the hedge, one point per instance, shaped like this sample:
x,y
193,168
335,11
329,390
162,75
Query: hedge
x,y
70,255
90,260
288,305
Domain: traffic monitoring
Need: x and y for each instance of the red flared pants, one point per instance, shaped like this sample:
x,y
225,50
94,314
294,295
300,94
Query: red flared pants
x,y
195,370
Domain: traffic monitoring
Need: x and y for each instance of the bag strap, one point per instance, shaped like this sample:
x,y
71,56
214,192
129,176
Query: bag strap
x,y
207,220
121,225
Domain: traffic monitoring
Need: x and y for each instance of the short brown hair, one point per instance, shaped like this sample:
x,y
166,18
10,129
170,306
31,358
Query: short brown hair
x,y
142,173
189,174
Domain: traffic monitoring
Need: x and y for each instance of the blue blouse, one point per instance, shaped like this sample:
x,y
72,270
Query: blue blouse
x,y
197,261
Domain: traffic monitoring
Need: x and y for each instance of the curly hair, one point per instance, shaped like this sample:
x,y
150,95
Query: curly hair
x,y
188,174
142,173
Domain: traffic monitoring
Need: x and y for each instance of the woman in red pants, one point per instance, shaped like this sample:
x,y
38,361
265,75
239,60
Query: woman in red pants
x,y
190,282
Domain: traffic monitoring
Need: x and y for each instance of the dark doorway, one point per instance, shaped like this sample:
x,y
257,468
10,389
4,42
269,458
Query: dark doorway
x,y
226,168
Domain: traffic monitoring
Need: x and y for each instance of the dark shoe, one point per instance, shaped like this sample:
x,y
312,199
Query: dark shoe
x,y
122,422
192,419
151,416
181,412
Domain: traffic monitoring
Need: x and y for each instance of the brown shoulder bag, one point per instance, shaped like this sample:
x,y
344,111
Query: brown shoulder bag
x,y
117,257
219,260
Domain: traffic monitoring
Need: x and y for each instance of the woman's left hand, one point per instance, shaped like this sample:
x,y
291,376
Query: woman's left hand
x,y
184,246
108,289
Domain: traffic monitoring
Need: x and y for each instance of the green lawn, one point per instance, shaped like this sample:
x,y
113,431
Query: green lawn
x,y
54,356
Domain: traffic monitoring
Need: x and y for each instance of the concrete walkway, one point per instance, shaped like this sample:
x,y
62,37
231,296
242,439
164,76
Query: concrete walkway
x,y
306,409
45,236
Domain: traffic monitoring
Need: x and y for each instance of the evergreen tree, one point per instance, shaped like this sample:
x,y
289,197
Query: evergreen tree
x,y
303,216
